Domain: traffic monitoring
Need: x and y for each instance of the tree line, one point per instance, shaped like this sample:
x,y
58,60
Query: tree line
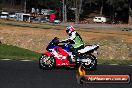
x,y
116,10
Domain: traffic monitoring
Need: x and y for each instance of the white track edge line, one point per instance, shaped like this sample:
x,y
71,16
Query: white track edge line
x,y
113,64
25,60
5,59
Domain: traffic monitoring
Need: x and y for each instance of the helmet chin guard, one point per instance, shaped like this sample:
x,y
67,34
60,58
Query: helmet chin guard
x,y
70,29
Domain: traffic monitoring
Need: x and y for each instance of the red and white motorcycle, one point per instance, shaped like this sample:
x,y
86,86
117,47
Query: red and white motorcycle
x,y
58,56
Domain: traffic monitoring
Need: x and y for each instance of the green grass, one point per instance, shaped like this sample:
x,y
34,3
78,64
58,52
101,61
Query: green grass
x,y
16,53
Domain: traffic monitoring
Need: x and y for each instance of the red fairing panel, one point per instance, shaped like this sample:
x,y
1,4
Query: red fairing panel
x,y
60,56
61,60
47,53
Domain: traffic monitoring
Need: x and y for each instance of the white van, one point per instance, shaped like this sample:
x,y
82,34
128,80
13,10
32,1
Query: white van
x,y
22,17
4,15
99,19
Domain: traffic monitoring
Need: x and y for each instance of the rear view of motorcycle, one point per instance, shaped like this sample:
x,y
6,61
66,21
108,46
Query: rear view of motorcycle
x,y
58,56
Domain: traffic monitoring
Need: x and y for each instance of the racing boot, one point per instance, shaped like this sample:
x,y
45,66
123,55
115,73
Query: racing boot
x,y
71,59
78,58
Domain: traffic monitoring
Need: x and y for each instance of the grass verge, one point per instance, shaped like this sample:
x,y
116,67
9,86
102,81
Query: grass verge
x,y
16,53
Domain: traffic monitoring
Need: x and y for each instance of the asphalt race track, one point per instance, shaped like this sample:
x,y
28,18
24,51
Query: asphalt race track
x,y
18,74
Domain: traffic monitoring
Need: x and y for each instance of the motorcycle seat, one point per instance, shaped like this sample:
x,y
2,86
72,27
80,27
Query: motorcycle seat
x,y
88,48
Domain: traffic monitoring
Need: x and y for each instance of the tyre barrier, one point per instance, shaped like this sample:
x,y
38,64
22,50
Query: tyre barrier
x,y
127,29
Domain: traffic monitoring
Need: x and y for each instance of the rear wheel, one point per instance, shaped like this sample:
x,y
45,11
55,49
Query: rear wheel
x,y
46,62
91,64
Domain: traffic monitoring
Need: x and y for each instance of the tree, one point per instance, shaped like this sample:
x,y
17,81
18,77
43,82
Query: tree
x,y
130,13
119,10
98,3
78,6
101,5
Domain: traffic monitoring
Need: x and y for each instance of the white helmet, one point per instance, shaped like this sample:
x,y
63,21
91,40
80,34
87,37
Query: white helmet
x,y
70,29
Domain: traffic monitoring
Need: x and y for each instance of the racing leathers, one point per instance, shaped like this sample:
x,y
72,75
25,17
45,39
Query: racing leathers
x,y
76,43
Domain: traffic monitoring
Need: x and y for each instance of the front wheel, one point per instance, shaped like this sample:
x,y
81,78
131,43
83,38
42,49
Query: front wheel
x,y
46,62
91,64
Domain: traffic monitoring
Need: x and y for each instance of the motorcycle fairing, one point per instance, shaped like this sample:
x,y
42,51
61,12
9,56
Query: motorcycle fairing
x,y
61,57
47,53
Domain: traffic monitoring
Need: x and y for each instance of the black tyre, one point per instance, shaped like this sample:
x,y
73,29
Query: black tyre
x,y
46,62
93,62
